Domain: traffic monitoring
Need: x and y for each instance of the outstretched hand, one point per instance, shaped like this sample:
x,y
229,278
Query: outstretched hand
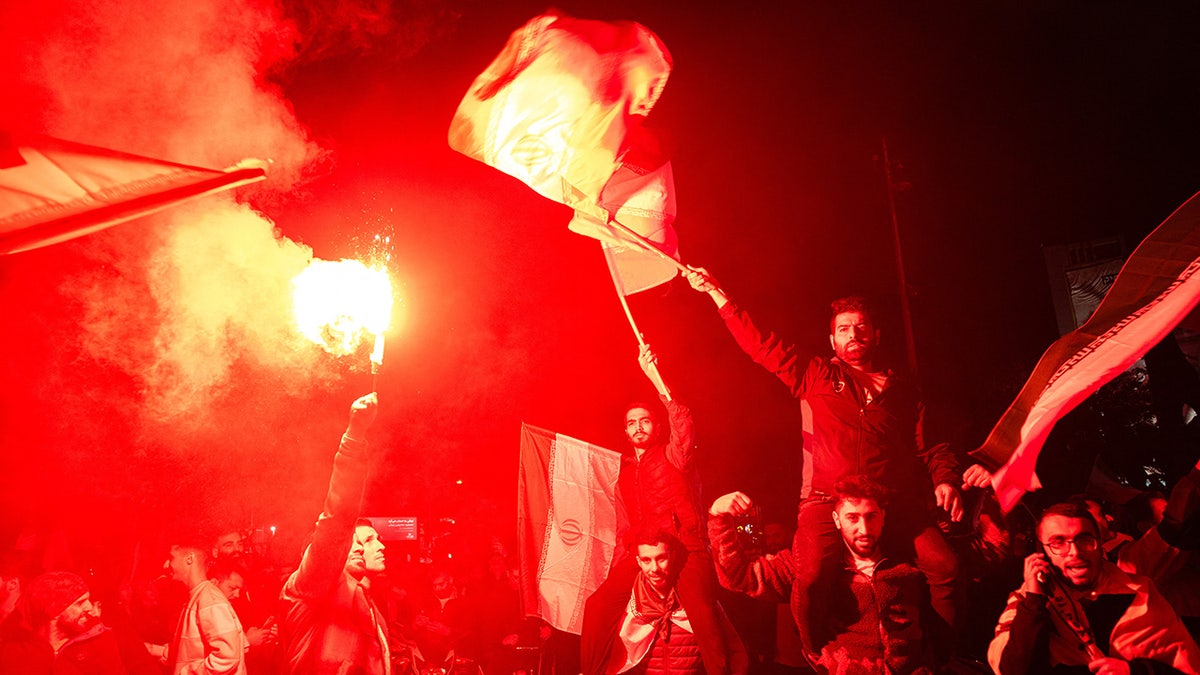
x,y
976,477
732,504
702,280
949,500
362,416
647,359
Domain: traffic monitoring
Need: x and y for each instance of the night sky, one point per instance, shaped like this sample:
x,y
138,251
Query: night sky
x,y
152,382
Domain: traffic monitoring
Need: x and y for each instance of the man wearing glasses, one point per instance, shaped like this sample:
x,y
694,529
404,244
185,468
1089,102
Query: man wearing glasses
x,y
1078,612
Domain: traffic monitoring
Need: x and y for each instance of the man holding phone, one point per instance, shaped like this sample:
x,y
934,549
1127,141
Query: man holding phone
x,y
1077,610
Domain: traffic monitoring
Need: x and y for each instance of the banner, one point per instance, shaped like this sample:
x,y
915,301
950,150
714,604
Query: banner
x,y
53,190
644,201
568,520
1155,289
562,110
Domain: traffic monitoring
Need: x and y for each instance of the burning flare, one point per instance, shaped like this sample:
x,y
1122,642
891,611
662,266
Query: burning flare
x,y
339,303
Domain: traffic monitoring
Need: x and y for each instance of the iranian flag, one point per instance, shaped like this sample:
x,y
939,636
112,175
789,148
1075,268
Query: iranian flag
x,y
568,520
562,108
1156,288
53,190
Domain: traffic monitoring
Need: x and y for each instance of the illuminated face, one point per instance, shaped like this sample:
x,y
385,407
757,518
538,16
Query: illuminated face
x,y
860,521
639,427
232,586
178,564
230,545
1073,546
366,553
79,617
854,338
655,562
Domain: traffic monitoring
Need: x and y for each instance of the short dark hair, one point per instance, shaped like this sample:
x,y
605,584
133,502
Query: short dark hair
x,y
649,536
201,553
859,487
655,417
849,303
1068,509
364,522
651,408
223,569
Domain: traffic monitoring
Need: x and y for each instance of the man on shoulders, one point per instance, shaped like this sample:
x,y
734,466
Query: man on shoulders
x,y
866,419
651,632
875,622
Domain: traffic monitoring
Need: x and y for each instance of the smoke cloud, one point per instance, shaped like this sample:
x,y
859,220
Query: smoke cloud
x,y
178,324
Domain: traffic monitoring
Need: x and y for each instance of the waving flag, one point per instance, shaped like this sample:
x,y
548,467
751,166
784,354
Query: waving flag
x,y
561,109
568,520
53,190
1155,289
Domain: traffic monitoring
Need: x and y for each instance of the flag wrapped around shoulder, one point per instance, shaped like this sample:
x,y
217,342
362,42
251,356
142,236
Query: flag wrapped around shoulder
x,y
568,520
1155,289
53,190
562,110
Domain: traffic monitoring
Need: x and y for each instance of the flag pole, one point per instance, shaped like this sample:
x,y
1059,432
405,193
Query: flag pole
x,y
901,277
655,377
649,246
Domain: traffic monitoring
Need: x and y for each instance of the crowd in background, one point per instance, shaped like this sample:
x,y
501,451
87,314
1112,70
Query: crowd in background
x,y
463,612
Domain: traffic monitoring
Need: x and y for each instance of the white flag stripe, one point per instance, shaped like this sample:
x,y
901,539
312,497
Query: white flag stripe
x,y
581,531
1104,358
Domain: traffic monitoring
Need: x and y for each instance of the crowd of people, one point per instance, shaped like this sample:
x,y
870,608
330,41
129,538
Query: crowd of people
x,y
899,561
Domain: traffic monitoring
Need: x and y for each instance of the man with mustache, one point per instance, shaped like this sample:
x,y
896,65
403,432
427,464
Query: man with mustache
x,y
651,632
660,489
865,419
1078,612
878,605
331,623
59,631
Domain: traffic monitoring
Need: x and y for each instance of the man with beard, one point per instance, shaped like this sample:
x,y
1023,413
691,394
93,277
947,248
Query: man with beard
x,y
60,632
660,488
1078,612
878,605
652,633
865,419
332,624
208,638
234,570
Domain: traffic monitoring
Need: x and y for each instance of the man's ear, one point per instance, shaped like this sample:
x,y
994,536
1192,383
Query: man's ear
x,y
831,344
837,522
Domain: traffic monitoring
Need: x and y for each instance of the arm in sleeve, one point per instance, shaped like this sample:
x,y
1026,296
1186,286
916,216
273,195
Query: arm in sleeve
x,y
224,642
1019,634
681,446
323,561
768,350
766,577
942,464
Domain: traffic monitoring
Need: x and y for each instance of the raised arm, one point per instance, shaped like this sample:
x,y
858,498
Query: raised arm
x,y
764,577
324,559
766,348
681,444
1020,643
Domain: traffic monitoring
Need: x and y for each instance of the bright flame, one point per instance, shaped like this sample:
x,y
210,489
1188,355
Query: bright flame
x,y
338,304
